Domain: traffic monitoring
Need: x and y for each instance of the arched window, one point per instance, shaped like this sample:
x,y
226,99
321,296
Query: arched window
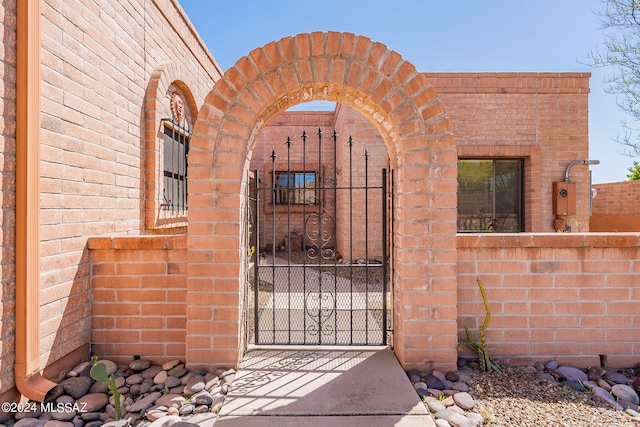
x,y
176,134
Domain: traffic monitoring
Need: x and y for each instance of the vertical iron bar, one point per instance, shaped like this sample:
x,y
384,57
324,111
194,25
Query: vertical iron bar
x,y
384,256
172,169
321,236
335,216
256,271
288,236
350,143
304,237
366,245
273,243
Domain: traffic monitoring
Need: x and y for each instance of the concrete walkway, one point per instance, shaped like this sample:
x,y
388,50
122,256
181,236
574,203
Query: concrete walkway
x,y
322,387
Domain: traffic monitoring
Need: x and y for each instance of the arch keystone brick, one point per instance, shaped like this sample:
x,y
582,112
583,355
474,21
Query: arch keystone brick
x,y
377,82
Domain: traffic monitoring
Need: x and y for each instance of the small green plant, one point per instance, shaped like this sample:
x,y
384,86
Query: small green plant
x,y
99,373
486,364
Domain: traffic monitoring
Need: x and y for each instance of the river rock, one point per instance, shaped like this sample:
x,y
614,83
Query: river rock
x,y
134,379
603,396
459,420
551,365
76,387
151,371
177,371
99,387
435,405
576,385
171,400
160,377
460,386
624,392
139,364
79,369
93,402
605,385
29,422
442,414
202,398
442,423
120,381
145,403
56,423
172,382
217,403
187,409
155,414
112,368
433,382
616,377
195,383
464,400
572,374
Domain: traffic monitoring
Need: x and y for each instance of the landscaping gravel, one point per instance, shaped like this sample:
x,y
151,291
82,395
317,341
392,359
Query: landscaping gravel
x,y
533,396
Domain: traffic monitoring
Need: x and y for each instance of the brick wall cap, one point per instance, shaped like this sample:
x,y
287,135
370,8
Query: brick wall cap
x,y
548,240
138,242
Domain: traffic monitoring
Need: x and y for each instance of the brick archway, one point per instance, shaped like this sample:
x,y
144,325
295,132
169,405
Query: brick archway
x,y
400,102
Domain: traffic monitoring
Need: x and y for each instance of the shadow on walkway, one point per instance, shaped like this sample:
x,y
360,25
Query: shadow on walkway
x,y
322,387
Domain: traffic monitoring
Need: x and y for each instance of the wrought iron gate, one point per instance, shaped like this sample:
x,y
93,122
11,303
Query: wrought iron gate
x,y
320,231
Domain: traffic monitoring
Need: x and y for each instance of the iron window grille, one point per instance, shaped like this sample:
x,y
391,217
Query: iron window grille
x,y
176,152
295,188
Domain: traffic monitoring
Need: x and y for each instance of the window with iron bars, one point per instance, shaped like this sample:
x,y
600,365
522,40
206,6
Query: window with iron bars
x,y
176,151
295,188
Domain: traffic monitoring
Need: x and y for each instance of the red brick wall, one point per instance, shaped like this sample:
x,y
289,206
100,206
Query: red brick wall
x,y
97,62
553,296
352,227
274,137
616,207
541,117
138,297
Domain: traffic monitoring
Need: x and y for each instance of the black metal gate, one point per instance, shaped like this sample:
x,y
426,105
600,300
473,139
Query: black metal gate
x,y
320,231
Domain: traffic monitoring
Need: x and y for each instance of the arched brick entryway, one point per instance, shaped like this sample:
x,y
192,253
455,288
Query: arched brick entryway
x,y
367,76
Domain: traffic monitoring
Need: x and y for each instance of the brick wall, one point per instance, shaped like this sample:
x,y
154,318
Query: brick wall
x,y
616,207
273,138
541,117
138,297
98,59
553,296
570,297
347,123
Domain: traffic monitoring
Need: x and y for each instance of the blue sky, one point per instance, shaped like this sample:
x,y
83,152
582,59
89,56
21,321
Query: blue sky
x,y
440,36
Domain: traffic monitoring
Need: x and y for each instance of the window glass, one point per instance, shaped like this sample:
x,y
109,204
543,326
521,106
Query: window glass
x,y
295,188
490,195
176,147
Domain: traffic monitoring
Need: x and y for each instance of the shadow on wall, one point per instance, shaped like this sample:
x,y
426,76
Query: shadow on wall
x,y
65,319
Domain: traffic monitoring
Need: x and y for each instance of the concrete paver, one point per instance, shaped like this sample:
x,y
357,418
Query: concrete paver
x,y
322,387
